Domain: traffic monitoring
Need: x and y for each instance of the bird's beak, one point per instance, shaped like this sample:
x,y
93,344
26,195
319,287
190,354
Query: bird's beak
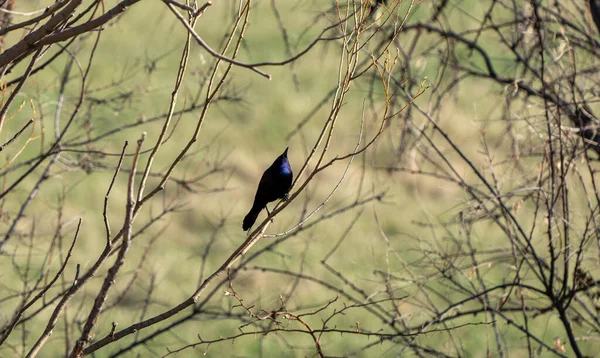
x,y
285,152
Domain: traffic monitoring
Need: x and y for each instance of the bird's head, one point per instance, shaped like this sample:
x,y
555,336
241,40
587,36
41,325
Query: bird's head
x,y
283,162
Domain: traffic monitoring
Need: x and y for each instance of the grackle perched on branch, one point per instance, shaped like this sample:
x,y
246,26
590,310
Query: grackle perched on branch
x,y
275,184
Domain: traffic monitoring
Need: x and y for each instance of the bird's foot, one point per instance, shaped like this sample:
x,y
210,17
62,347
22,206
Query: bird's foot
x,y
268,213
286,196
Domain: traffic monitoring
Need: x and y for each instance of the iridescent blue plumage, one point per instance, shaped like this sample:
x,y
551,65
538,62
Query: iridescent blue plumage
x,y
285,167
275,184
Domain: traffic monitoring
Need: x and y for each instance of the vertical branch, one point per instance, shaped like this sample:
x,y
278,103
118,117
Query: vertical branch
x,y
112,182
183,64
211,92
86,334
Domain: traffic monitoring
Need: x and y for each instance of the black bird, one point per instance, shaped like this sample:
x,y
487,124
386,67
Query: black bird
x,y
275,183
595,10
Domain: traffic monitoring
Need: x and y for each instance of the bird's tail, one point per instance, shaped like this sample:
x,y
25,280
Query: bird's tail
x,y
251,217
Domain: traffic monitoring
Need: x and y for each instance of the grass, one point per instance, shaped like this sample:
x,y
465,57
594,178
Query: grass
x,y
249,134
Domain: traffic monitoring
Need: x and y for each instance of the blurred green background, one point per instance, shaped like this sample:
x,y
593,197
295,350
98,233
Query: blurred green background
x,y
131,80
